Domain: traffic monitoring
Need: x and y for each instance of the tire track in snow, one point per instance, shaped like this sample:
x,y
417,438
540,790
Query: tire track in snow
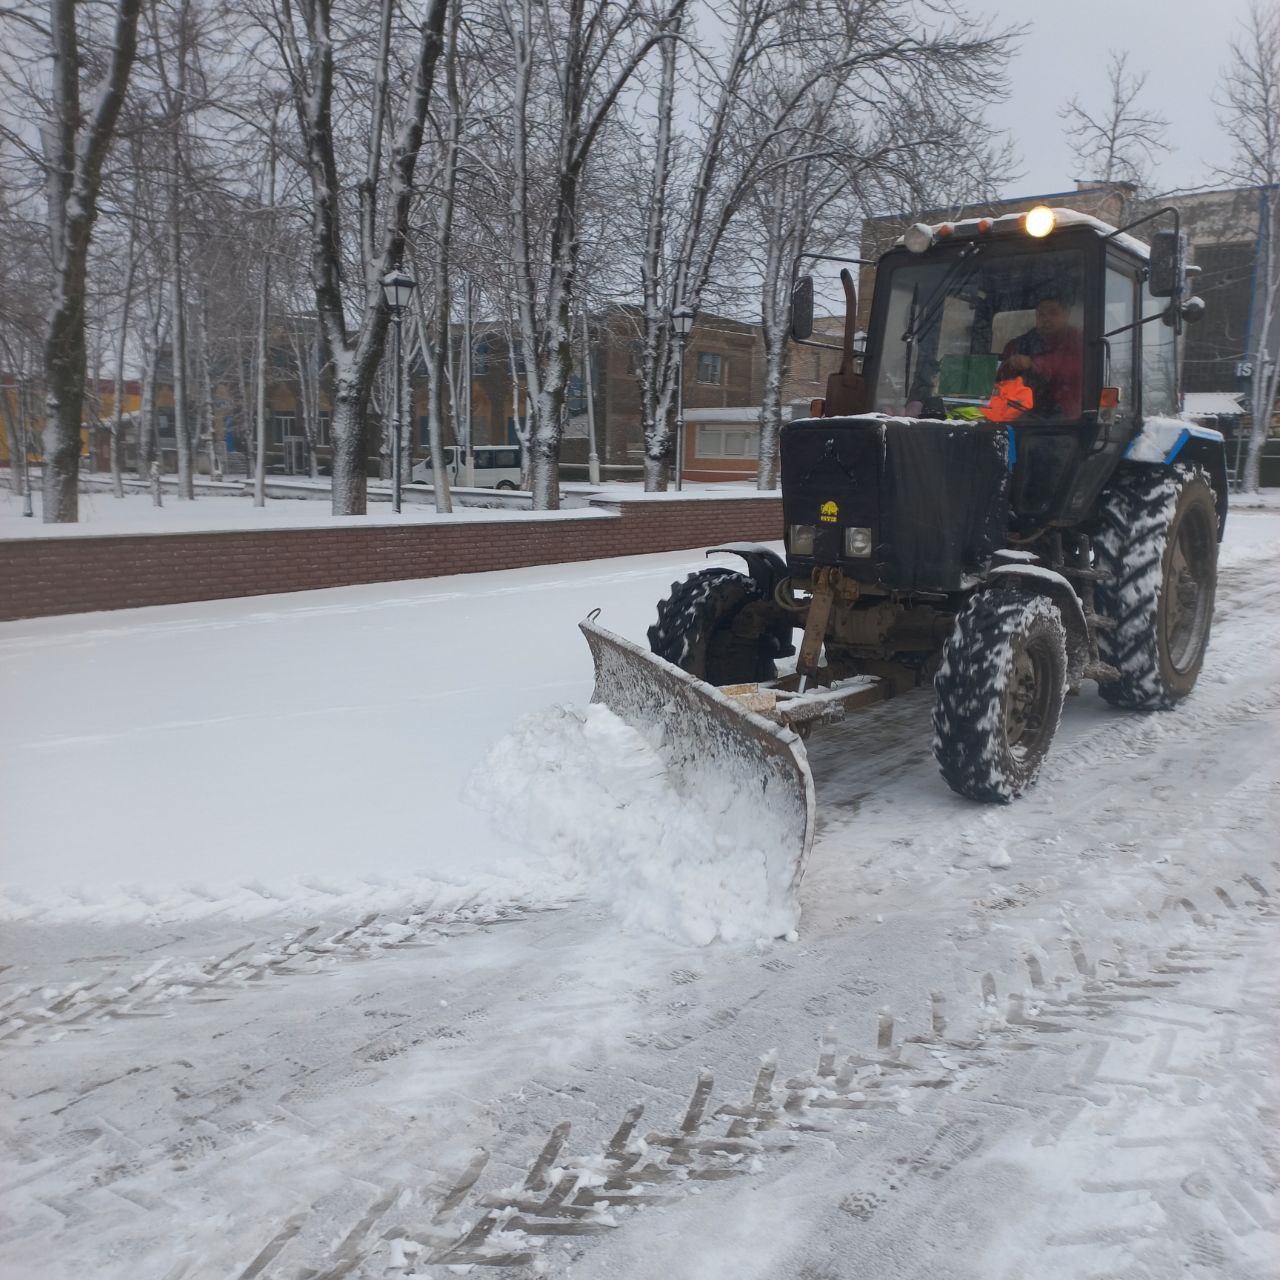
x,y
1105,1010
84,1005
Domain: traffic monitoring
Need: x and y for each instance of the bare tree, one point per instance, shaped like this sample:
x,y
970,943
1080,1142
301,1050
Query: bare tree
x,y
76,141
1248,99
354,321
594,48
869,60
431,336
1119,138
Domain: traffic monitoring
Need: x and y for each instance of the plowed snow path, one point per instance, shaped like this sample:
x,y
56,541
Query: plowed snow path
x,y
1026,1040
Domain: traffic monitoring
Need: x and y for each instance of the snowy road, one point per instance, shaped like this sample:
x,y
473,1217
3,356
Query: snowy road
x,y
309,1019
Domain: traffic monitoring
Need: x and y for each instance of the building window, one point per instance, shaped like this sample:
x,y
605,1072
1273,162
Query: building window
x,y
575,396
281,426
424,431
165,424
728,442
322,431
710,368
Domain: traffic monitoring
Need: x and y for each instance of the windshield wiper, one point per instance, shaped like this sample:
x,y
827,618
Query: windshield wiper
x,y
933,305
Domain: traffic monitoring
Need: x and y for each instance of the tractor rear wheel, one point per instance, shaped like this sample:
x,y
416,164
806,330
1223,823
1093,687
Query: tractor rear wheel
x,y
1157,545
695,629
999,692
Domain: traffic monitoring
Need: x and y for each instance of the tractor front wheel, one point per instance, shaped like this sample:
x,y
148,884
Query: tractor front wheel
x,y
696,629
999,692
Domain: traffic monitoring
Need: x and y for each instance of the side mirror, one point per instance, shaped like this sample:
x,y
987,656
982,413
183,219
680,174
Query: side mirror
x,y
1168,265
802,309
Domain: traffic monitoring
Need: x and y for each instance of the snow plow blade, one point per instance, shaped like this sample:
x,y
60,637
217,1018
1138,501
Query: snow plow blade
x,y
733,762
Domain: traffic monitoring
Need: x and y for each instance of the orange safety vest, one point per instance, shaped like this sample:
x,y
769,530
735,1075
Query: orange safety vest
x,y
1010,398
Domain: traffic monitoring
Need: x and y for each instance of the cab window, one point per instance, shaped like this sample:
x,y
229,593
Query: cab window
x,y
1119,311
1159,360
959,328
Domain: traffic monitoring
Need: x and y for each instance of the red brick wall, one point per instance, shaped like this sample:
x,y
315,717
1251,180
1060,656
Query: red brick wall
x,y
79,574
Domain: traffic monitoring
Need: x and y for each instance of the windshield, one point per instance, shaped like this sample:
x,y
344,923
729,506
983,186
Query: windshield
x,y
977,336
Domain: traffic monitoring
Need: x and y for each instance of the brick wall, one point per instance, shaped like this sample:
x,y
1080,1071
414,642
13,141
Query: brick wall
x,y
80,574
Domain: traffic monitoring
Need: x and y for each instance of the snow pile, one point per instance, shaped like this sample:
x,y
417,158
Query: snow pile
x,y
594,796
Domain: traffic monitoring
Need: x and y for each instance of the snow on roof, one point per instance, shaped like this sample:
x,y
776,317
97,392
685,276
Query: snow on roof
x,y
1205,404
1063,217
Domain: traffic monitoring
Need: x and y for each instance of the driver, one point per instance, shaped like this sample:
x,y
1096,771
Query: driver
x,y
1051,359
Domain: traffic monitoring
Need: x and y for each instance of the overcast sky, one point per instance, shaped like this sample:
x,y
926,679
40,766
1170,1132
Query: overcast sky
x,y
1181,44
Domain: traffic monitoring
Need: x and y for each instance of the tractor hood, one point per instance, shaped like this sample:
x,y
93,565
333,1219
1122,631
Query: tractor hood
x,y
902,503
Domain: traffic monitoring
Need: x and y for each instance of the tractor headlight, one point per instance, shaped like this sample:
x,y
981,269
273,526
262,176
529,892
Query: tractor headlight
x,y
1040,221
800,539
857,542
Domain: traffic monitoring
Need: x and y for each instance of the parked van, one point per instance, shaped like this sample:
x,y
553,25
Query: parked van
x,y
497,466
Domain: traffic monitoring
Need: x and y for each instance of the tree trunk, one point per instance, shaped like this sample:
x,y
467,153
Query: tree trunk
x,y
117,407
64,394
207,433
260,414
177,106
76,144
407,418
181,423
435,414
349,433
264,304
146,417
12,410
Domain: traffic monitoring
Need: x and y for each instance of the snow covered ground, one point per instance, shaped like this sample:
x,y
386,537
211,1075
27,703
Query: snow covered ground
x,y
280,1001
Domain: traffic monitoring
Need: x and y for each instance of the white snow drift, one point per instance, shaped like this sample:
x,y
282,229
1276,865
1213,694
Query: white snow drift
x,y
595,797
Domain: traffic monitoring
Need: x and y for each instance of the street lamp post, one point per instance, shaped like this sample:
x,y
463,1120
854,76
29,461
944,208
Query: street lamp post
x,y
681,324
397,287
25,463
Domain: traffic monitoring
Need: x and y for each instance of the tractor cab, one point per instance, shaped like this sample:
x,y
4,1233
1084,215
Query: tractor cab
x,y
1009,365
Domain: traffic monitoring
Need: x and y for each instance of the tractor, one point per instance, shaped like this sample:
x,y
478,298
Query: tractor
x,y
997,498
